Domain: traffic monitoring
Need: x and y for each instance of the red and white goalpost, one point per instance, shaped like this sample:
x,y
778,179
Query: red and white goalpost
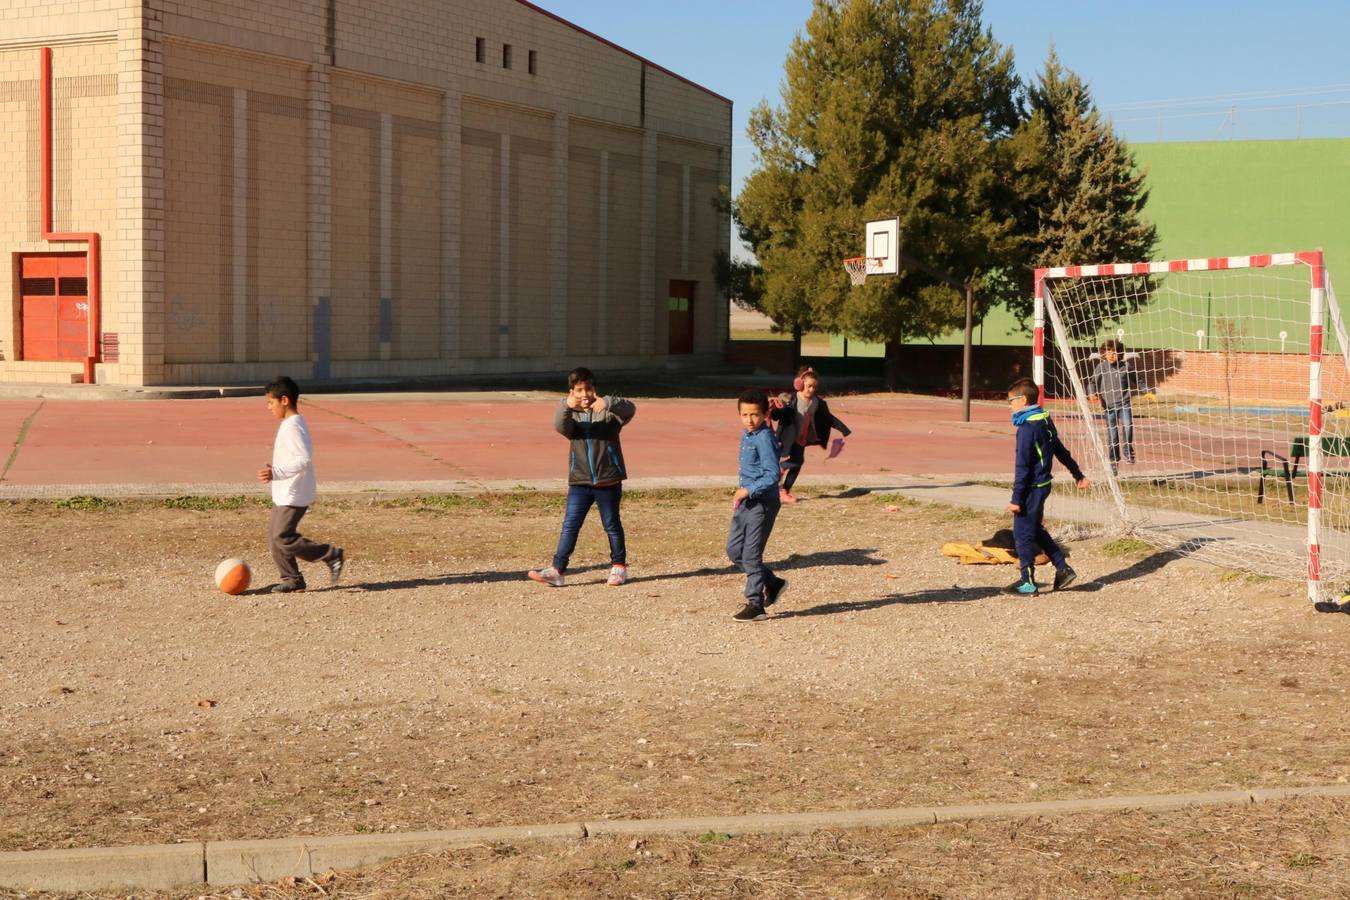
x,y
1231,434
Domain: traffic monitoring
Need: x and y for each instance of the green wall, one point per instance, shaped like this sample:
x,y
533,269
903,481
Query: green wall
x,y
1225,198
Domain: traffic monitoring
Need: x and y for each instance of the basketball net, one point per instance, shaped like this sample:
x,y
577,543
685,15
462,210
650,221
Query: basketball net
x,y
860,267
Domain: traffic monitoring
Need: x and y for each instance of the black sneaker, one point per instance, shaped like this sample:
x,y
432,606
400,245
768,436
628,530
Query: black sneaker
x,y
335,564
288,587
750,613
775,589
1065,577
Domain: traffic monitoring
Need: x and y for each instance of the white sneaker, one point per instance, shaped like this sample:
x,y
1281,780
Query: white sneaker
x,y
549,576
617,575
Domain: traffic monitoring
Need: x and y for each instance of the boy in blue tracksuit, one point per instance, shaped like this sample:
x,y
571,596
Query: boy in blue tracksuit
x,y
1038,446
755,507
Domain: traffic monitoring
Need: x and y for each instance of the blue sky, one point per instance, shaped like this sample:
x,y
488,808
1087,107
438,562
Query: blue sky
x,y
1148,62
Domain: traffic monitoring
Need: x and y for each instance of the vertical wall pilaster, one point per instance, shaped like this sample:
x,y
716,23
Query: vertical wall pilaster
x,y
504,255
451,271
685,221
559,251
386,189
240,224
722,303
602,269
648,293
140,178
319,215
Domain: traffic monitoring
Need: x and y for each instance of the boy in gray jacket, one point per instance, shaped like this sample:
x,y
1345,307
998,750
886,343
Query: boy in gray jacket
x,y
595,473
1113,384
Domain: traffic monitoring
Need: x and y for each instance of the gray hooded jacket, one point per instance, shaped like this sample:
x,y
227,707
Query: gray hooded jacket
x,y
1114,384
596,456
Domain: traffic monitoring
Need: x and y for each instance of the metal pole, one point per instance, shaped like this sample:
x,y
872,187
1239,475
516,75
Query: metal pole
x,y
965,356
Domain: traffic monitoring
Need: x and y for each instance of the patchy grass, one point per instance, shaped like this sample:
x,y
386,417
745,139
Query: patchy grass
x,y
212,504
83,503
1127,546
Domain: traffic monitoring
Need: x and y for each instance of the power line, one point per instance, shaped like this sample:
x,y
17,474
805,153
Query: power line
x,y
1205,114
1228,98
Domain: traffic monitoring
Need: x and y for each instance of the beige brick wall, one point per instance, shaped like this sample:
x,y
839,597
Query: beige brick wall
x,y
270,167
688,236
235,200
386,220
604,239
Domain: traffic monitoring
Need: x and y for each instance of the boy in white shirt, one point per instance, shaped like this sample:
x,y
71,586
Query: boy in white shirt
x,y
294,487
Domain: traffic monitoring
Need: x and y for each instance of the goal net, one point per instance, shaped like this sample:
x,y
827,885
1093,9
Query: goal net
x,y
1207,402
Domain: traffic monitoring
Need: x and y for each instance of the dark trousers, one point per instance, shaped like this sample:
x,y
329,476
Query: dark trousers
x,y
1120,423
796,456
288,544
751,525
579,500
1030,535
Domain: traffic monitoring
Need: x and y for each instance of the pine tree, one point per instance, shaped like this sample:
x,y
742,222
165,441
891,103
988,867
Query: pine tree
x,y
889,108
1083,196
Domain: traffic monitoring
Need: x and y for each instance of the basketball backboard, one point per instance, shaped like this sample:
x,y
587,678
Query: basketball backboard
x,y
883,243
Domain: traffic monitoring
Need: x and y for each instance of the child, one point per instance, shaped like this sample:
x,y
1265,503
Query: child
x,y
1038,446
1113,383
754,507
294,486
595,473
805,419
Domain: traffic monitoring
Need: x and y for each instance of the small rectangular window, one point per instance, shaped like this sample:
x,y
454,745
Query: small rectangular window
x,y
506,56
38,287
73,287
534,60
480,50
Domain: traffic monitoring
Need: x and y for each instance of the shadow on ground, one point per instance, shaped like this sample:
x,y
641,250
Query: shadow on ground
x,y
854,557
952,594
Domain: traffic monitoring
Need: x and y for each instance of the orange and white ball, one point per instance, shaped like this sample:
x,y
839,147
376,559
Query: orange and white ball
x,y
233,576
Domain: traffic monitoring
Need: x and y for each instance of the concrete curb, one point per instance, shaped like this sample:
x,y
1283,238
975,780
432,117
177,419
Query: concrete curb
x,y
241,862
150,868
223,863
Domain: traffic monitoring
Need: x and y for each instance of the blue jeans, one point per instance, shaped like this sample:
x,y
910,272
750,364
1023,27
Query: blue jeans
x,y
1029,533
579,500
751,525
1118,419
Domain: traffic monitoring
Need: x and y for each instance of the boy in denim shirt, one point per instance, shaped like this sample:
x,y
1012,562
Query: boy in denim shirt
x,y
755,507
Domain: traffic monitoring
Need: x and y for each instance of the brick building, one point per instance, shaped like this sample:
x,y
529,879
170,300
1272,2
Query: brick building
x,y
343,189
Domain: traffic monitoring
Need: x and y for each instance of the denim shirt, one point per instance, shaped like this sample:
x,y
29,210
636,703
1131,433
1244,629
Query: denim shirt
x,y
759,462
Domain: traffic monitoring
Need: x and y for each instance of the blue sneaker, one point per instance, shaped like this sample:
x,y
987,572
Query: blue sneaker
x,y
1026,585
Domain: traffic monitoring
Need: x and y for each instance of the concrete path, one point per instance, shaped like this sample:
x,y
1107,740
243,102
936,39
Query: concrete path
x,y
225,863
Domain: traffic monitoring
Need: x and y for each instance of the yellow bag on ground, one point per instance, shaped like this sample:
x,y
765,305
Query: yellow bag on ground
x,y
980,555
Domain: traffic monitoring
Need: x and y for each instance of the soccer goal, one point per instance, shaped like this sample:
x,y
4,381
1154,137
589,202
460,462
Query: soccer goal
x,y
1207,402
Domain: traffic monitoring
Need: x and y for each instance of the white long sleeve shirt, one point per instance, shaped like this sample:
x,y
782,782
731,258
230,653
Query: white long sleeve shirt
x,y
293,481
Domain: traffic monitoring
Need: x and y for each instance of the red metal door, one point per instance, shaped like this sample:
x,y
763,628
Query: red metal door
x,y
681,312
54,298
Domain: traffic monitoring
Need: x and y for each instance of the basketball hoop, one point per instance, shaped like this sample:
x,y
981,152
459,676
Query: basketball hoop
x,y
860,267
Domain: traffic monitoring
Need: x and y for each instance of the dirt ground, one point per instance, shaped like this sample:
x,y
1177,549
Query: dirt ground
x,y
437,688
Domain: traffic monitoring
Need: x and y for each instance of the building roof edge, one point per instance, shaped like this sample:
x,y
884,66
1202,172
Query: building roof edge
x,y
591,34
